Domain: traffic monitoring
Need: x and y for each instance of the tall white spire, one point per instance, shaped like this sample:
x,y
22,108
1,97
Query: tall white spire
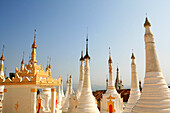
x,y
67,91
2,59
134,92
59,96
155,97
67,102
62,92
87,102
81,78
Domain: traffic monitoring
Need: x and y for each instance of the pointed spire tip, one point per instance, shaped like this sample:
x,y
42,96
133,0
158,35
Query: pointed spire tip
x,y
147,23
2,57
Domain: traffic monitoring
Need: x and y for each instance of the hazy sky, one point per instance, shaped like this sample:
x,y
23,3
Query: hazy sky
x,y
61,32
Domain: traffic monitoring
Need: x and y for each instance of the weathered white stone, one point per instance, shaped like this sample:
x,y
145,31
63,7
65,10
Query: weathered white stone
x,y
67,100
86,103
81,78
155,97
134,92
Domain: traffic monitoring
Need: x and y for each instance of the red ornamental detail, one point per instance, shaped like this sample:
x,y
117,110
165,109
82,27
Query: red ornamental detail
x,y
110,109
38,108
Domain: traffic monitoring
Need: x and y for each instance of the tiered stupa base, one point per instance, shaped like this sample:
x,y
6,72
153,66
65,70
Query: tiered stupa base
x,y
87,102
155,97
134,96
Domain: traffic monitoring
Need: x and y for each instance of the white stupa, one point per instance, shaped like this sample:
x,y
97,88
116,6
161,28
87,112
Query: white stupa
x,y
67,91
134,92
3,77
86,103
81,79
155,97
111,100
62,92
59,101
67,103
2,64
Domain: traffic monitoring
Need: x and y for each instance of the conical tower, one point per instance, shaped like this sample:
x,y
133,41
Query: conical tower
x,y
2,59
134,92
111,100
62,92
22,63
59,96
117,81
34,47
80,85
155,97
67,102
67,91
87,102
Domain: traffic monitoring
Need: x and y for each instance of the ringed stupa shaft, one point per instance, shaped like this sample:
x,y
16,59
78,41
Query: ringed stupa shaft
x,y
155,97
86,103
134,91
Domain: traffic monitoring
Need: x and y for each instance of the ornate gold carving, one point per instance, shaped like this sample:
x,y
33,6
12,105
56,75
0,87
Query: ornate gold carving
x,y
110,102
110,97
45,90
16,79
26,79
49,79
43,80
8,80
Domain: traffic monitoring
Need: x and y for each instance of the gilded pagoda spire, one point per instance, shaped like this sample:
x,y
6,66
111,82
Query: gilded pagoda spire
x,y
34,46
110,82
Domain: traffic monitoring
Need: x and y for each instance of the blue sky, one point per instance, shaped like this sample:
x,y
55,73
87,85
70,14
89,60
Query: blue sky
x,y
61,32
